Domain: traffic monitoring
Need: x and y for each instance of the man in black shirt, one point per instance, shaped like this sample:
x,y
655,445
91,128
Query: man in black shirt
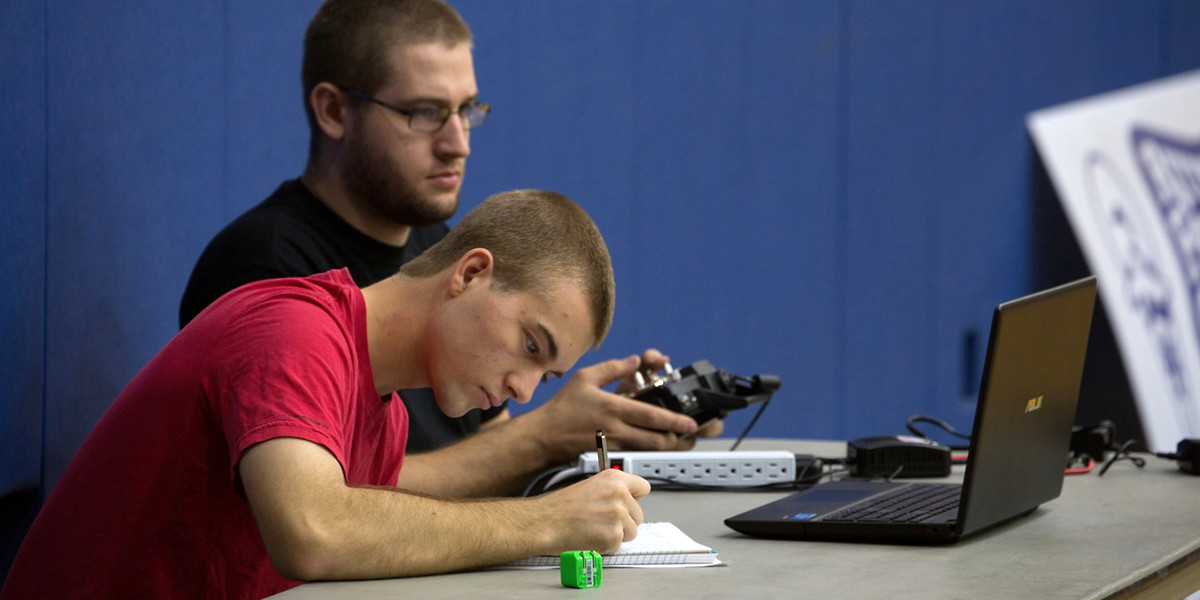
x,y
391,99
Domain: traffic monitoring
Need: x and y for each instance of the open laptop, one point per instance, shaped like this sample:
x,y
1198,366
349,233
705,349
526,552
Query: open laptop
x,y
1019,444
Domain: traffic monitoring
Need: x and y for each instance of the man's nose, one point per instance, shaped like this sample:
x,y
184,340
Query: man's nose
x,y
454,139
522,384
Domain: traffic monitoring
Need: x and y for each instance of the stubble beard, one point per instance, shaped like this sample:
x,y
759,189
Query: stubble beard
x,y
383,186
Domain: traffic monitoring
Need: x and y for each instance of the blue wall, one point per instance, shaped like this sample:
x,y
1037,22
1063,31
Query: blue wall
x,y
834,192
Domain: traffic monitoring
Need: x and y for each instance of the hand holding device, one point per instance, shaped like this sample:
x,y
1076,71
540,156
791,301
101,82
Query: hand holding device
x,y
703,392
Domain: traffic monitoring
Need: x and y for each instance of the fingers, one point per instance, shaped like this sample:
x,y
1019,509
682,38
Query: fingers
x,y
604,373
638,488
651,362
685,444
712,429
649,425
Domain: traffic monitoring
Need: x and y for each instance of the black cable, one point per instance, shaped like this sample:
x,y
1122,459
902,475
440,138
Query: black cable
x,y
750,425
538,483
913,420
673,483
1122,453
895,473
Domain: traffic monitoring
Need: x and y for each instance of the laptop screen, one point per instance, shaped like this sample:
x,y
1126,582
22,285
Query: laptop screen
x,y
1027,403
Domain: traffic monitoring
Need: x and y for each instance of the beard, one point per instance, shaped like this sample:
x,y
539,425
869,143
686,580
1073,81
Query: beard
x,y
379,183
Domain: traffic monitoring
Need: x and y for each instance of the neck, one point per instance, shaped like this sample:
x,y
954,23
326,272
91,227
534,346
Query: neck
x,y
397,311
325,181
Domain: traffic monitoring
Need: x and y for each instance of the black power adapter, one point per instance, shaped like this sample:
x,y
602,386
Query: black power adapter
x,y
897,456
1093,440
1187,456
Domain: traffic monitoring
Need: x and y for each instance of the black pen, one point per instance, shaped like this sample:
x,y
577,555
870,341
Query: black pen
x,y
602,450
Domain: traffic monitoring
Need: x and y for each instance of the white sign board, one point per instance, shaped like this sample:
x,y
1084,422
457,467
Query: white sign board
x,y
1126,166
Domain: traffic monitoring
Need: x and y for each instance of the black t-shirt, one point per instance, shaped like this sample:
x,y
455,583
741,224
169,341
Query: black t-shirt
x,y
293,234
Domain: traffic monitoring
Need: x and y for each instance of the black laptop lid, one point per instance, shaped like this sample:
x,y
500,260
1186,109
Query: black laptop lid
x,y
1020,439
1027,402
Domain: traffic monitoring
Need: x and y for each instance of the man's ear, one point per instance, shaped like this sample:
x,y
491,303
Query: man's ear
x,y
473,267
330,109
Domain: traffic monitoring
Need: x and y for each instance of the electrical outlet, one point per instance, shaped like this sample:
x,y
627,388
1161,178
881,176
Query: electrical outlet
x,y
781,470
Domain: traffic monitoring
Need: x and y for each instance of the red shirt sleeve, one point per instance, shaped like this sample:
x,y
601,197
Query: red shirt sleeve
x,y
286,369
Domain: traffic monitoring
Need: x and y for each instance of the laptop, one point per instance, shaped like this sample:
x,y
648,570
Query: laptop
x,y
1019,443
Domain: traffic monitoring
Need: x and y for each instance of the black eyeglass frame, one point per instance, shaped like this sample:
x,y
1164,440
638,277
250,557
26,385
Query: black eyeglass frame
x,y
473,115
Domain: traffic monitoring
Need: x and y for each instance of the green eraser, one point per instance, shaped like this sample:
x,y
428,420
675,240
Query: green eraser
x,y
580,568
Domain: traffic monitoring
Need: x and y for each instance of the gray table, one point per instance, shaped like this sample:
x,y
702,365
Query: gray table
x,y
1131,533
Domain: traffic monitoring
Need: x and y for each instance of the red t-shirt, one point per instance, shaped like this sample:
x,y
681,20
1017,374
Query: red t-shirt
x,y
152,507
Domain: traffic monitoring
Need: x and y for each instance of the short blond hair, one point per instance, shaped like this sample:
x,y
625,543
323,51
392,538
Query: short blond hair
x,y
534,236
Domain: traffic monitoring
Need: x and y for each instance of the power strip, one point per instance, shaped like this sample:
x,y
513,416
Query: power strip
x,y
724,469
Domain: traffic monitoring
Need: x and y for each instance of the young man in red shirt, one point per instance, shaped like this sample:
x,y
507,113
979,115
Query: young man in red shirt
x,y
263,445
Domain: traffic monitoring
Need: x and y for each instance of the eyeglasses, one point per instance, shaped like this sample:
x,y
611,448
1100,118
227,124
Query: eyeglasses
x,y
431,119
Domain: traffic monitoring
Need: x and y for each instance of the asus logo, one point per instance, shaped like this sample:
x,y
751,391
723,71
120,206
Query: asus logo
x,y
1033,404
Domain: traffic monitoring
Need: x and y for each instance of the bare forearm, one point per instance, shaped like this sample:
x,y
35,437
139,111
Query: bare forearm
x,y
316,527
498,461
386,533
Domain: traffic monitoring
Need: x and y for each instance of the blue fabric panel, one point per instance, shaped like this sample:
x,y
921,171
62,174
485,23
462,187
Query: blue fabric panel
x,y
266,131
1182,35
136,152
891,120
22,243
788,243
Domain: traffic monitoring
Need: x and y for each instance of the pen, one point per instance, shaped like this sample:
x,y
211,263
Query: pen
x,y
602,450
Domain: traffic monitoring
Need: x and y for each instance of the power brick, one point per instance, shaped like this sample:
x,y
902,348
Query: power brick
x,y
1187,456
724,469
897,456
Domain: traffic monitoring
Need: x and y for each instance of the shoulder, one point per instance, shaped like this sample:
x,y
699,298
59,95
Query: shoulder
x,y
290,212
294,325
294,302
279,237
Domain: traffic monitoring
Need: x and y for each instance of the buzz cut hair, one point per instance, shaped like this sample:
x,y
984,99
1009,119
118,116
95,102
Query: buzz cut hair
x,y
536,238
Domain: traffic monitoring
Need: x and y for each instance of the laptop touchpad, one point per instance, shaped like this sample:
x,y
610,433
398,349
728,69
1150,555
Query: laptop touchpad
x,y
821,501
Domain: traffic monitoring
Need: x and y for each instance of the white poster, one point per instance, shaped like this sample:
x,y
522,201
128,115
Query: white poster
x,y
1126,166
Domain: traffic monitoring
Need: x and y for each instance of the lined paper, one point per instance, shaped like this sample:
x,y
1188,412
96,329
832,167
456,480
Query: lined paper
x,y
660,544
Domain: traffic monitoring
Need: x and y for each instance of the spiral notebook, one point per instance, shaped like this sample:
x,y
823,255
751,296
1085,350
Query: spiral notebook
x,y
659,544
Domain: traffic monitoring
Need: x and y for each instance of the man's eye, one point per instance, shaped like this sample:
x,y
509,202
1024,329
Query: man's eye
x,y
428,112
531,346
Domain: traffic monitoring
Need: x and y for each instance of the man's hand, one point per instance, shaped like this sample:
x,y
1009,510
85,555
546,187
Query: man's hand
x,y
569,420
653,361
598,513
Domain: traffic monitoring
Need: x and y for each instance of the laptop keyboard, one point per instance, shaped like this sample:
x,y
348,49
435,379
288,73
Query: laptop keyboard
x,y
909,504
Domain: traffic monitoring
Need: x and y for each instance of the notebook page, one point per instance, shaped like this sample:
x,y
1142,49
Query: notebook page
x,y
660,538
658,544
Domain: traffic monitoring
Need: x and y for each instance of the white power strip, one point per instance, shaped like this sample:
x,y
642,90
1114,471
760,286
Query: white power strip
x,y
725,469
